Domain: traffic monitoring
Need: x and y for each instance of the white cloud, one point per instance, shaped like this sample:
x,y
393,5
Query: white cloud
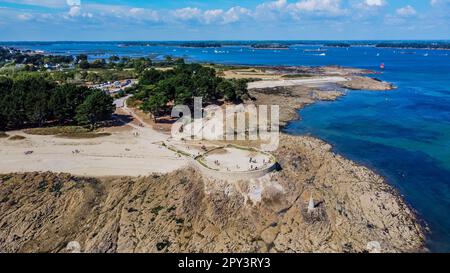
x,y
73,2
231,15
375,3
326,7
143,14
234,14
74,11
187,13
25,16
271,10
112,12
269,13
438,3
137,10
213,15
406,11
275,5
435,2
368,9
40,3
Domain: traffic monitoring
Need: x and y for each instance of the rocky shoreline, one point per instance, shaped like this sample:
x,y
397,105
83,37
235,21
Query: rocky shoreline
x,y
354,209
292,98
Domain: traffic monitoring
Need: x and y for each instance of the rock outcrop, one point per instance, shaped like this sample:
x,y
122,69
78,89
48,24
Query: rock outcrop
x,y
355,210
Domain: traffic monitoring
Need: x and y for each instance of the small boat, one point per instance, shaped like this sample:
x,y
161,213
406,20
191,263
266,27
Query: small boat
x,y
382,66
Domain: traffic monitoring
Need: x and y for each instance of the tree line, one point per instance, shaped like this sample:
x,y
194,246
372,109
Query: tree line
x,y
31,101
27,58
33,62
116,62
160,89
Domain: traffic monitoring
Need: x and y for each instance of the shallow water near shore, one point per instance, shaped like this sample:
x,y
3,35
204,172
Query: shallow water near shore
x,y
403,134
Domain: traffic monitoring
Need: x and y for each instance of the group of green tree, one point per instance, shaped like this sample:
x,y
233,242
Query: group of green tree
x,y
31,60
178,86
76,76
30,101
115,62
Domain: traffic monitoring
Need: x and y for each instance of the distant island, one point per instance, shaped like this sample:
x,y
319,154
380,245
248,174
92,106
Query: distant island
x,y
201,44
270,46
431,46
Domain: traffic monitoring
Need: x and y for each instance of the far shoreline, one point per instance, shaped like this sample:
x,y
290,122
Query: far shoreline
x,y
304,92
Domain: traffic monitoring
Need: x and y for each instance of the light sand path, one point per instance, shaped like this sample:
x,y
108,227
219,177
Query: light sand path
x,y
309,81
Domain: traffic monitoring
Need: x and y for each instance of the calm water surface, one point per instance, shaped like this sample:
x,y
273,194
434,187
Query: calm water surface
x,y
403,134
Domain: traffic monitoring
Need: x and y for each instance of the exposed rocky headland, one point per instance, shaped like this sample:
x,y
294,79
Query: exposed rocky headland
x,y
354,210
317,201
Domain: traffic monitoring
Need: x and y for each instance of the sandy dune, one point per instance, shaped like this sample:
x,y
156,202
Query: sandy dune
x,y
281,83
121,154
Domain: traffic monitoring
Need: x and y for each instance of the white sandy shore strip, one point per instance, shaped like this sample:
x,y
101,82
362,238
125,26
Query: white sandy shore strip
x,y
309,81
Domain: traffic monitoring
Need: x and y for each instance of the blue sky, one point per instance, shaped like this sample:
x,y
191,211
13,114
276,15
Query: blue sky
x,y
50,20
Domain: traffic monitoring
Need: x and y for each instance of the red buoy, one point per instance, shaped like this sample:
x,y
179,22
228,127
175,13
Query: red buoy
x,y
382,66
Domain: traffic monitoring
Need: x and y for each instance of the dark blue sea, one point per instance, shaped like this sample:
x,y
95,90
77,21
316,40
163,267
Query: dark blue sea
x,y
404,134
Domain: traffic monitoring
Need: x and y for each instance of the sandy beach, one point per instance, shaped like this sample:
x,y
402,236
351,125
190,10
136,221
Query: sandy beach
x,y
121,154
296,82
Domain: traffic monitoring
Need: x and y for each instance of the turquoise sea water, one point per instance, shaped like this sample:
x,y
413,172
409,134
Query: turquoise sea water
x,y
403,134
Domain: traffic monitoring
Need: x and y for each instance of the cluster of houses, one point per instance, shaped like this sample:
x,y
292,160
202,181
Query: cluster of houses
x,y
115,87
53,67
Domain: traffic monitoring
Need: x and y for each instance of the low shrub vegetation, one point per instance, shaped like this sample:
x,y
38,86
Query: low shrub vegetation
x,y
16,137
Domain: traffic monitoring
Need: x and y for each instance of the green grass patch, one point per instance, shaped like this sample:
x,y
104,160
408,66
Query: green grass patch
x,y
50,131
86,135
133,102
16,137
177,151
293,76
200,161
73,132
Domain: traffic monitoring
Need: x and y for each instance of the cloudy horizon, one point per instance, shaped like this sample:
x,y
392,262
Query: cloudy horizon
x,y
99,20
